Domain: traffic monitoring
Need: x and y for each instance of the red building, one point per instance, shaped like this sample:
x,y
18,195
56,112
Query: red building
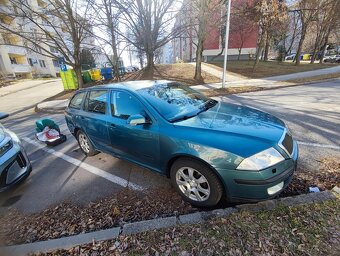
x,y
242,35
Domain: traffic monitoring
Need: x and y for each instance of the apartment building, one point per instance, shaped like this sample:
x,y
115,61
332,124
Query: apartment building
x,y
17,61
184,48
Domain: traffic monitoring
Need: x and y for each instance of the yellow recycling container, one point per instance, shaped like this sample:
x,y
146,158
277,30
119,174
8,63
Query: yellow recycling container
x,y
95,74
306,56
69,79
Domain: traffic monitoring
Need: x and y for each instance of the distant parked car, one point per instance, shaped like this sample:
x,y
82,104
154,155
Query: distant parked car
x,y
290,57
130,69
14,163
209,149
332,59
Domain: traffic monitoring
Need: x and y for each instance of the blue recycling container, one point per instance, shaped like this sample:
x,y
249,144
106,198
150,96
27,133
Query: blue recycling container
x,y
106,73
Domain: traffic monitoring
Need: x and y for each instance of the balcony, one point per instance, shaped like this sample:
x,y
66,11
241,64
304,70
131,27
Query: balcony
x,y
21,68
16,50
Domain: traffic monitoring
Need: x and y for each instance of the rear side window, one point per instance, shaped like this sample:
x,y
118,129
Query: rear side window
x,y
77,100
96,102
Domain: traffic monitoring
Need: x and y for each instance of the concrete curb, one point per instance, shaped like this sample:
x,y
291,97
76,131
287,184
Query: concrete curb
x,y
159,223
54,106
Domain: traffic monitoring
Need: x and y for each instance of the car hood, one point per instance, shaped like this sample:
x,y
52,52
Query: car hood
x,y
237,120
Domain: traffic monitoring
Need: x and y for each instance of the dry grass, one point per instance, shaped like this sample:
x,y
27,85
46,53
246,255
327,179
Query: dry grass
x,y
315,78
231,90
311,229
180,72
269,68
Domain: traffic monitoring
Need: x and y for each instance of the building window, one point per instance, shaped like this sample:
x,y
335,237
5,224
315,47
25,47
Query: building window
x,y
13,60
53,49
30,61
42,63
55,63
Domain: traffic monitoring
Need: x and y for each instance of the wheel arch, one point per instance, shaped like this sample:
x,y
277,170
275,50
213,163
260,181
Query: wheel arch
x,y
178,156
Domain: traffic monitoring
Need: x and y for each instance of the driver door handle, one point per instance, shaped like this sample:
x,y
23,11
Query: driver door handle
x,y
113,126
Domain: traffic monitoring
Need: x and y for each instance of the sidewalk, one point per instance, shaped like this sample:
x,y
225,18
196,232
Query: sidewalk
x,y
267,82
24,85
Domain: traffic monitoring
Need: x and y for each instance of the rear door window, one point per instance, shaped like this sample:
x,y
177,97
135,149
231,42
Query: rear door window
x,y
96,101
77,100
124,105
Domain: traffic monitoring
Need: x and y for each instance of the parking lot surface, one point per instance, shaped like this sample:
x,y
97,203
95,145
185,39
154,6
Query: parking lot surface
x,y
63,173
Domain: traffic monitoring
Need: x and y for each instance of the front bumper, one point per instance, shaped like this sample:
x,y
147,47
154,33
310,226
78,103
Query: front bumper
x,y
252,186
14,167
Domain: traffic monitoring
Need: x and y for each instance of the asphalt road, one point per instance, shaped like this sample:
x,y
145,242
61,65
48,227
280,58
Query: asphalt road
x,y
64,174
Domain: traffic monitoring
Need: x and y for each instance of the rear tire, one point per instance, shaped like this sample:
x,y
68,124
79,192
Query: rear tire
x,y
85,144
196,182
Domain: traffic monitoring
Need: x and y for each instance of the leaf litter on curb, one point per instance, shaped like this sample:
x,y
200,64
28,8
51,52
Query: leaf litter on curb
x,y
312,229
66,219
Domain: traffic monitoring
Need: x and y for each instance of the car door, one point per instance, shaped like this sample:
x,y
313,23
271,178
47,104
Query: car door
x,y
95,118
73,111
139,143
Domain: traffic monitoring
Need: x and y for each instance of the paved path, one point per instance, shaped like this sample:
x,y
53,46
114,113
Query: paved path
x,y
318,72
267,82
232,77
26,94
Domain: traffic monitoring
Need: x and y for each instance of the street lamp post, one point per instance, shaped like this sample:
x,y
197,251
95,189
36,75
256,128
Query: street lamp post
x,y
226,44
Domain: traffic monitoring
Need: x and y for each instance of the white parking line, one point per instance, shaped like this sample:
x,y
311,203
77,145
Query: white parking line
x,y
318,145
108,176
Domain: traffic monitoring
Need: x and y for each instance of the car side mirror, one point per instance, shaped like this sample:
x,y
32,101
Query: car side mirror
x,y
3,115
137,120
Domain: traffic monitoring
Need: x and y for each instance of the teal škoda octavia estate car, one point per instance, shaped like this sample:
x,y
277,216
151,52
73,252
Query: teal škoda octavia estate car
x,y
209,149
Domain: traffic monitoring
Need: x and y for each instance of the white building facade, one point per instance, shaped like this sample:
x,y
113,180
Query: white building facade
x,y
16,61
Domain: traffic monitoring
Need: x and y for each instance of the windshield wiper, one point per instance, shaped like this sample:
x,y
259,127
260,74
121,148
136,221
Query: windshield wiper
x,y
207,105
181,118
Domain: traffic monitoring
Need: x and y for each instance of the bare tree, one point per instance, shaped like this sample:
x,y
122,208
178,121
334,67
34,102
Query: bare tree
x,y
149,22
269,15
106,14
327,15
55,29
241,25
307,10
199,17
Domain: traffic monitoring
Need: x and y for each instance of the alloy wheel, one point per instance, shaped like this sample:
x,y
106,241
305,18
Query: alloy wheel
x,y
84,143
193,184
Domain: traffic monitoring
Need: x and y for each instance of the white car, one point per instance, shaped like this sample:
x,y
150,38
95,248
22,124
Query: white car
x,y
14,163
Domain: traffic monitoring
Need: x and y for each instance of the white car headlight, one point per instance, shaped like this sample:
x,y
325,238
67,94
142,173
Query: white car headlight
x,y
259,161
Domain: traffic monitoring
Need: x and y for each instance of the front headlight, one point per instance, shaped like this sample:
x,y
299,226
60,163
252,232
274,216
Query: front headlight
x,y
259,161
5,147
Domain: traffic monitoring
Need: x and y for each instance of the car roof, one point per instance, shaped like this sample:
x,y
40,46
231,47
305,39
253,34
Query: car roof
x,y
131,85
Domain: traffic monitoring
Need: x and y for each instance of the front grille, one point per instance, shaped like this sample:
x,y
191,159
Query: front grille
x,y
287,143
21,160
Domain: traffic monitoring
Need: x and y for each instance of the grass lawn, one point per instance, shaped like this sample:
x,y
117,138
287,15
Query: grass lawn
x,y
269,68
302,230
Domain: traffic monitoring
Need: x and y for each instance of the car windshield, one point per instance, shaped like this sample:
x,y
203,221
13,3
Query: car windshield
x,y
175,101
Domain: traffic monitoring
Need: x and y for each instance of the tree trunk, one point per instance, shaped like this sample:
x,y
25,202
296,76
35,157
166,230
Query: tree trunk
x,y
199,53
150,60
259,52
77,70
324,46
298,52
266,49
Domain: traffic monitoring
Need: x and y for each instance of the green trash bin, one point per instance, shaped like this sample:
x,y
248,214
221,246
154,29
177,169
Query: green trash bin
x,y
86,77
69,79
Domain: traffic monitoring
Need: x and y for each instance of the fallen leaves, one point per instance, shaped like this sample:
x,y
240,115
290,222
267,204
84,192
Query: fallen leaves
x,y
67,219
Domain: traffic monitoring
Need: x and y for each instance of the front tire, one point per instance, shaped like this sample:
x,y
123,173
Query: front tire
x,y
196,182
85,144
